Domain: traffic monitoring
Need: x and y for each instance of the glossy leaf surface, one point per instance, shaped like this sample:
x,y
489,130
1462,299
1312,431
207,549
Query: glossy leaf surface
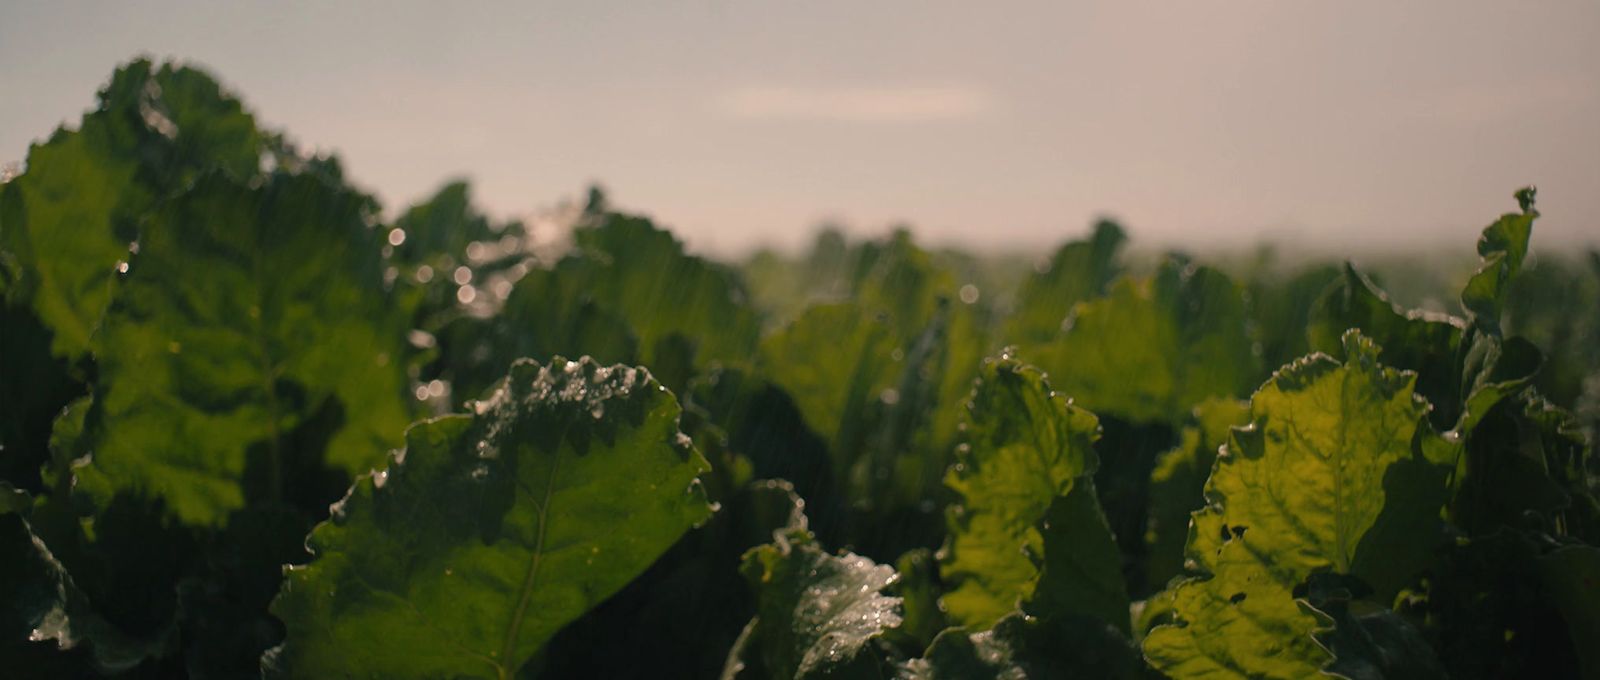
x,y
492,531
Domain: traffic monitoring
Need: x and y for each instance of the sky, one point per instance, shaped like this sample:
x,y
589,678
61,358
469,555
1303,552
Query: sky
x,y
1356,126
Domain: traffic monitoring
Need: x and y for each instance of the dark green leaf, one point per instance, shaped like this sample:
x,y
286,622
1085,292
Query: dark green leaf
x,y
490,532
817,614
1366,641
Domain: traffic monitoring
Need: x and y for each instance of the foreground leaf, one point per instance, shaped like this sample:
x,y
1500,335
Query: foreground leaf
x,y
816,614
490,532
1319,483
1028,448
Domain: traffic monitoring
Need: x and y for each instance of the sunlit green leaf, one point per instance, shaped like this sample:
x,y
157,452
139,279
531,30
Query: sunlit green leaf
x,y
1320,482
1027,448
490,532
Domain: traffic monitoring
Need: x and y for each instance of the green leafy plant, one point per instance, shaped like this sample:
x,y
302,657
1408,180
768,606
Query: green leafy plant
x,y
250,427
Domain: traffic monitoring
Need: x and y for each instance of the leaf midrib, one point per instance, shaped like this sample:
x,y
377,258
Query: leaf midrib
x,y
530,579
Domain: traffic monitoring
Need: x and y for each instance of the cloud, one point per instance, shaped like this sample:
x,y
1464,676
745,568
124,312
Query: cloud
x,y
855,104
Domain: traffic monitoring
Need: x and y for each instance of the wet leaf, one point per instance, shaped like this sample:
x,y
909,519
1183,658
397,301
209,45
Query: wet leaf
x,y
490,532
817,614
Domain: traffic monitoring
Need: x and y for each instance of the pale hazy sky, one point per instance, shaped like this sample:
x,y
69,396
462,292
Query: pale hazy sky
x,y
1355,125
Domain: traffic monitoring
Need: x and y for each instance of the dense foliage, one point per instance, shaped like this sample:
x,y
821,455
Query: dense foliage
x,y
872,460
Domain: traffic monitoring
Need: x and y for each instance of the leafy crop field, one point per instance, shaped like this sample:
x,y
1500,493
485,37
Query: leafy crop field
x,y
251,428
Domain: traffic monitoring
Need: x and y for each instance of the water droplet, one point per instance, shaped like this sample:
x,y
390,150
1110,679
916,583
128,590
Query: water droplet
x,y
424,274
462,276
969,293
466,294
436,388
397,237
122,267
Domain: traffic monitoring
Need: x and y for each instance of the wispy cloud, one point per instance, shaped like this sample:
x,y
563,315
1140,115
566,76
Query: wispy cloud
x,y
856,104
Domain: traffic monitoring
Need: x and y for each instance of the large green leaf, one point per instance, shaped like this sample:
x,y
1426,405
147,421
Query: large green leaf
x,y
490,532
1177,484
1153,348
69,219
817,614
1325,479
1028,450
249,311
